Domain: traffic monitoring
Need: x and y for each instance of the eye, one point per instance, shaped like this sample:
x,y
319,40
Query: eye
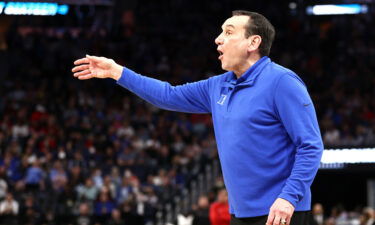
x,y
228,32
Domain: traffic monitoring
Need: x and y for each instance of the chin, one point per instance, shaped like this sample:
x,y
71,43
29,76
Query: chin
x,y
224,67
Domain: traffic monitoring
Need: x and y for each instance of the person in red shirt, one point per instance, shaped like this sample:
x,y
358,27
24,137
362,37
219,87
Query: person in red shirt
x,y
219,210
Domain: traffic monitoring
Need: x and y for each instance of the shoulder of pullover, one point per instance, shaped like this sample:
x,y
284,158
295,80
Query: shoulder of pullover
x,y
220,78
279,71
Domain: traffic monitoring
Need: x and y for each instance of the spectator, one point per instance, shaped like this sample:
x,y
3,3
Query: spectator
x,y
87,192
318,214
97,178
103,207
34,176
367,217
219,210
116,218
110,185
9,209
30,211
58,177
201,213
129,214
84,217
125,190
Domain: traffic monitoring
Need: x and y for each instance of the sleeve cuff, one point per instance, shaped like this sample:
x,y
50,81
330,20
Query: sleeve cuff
x,y
290,198
124,78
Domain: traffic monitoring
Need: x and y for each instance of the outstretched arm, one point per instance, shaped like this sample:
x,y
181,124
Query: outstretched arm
x,y
191,97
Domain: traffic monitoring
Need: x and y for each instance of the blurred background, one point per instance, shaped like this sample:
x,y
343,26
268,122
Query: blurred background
x,y
74,152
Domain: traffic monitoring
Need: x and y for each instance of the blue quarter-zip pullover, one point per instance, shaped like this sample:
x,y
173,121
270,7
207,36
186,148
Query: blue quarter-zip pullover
x,y
266,131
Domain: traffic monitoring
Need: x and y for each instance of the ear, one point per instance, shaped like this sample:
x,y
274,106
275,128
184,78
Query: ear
x,y
254,42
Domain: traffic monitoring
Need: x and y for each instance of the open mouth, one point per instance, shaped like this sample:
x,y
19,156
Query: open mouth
x,y
220,54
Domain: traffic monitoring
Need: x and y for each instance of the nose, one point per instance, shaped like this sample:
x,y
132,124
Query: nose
x,y
219,40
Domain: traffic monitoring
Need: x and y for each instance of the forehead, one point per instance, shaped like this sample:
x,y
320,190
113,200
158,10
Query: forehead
x,y
236,22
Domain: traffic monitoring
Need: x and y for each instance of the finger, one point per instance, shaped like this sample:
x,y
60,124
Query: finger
x,y
81,67
276,221
81,61
82,73
85,77
283,220
95,59
288,221
270,218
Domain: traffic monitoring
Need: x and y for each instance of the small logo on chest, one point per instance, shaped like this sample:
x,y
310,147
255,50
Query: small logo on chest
x,y
222,100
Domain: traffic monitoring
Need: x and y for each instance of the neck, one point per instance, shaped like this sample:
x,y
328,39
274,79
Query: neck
x,y
246,65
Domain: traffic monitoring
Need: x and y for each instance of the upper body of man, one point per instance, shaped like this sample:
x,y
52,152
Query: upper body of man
x,y
265,124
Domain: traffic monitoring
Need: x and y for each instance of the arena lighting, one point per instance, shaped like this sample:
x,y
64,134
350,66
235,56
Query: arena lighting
x,y
33,8
365,155
337,9
2,4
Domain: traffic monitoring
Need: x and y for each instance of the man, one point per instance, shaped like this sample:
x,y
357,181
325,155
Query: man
x,y
317,217
9,210
265,124
219,214
201,211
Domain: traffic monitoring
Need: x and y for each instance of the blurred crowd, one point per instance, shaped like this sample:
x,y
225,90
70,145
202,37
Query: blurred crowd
x,y
214,211
74,152
84,152
340,216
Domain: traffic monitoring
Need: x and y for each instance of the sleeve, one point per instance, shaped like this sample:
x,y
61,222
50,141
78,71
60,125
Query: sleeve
x,y
190,97
297,114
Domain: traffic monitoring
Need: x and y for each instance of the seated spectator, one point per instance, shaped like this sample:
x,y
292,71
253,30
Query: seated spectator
x,y
34,176
103,207
87,192
97,177
30,211
125,190
129,214
58,177
116,218
110,185
84,217
9,209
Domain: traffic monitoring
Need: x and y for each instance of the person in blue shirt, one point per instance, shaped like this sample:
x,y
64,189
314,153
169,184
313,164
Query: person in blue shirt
x,y
265,123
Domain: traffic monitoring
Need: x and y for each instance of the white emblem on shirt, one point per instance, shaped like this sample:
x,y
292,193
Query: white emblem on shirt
x,y
222,100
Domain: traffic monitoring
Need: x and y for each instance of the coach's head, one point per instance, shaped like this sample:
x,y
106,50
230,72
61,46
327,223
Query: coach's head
x,y
246,37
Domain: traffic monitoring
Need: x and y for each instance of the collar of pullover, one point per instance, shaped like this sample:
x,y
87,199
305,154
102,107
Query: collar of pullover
x,y
250,75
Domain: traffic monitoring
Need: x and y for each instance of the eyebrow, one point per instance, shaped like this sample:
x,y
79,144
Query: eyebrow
x,y
228,25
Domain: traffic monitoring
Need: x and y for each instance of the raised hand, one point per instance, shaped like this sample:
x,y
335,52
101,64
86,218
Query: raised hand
x,y
96,67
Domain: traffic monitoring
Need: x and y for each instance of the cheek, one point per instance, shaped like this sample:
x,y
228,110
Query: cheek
x,y
242,48
237,48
